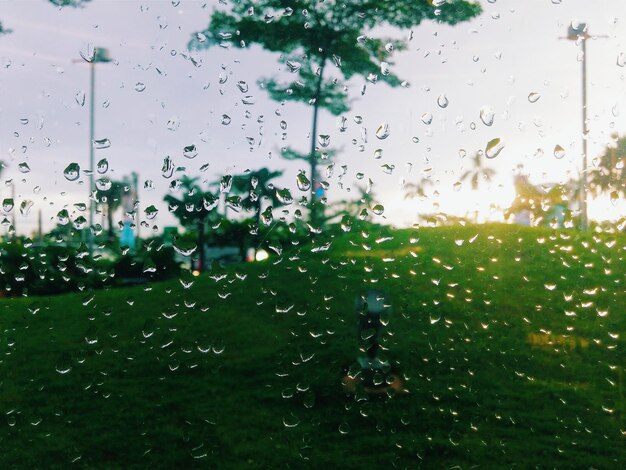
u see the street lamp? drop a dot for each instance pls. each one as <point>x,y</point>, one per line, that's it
<point>101,55</point>
<point>579,33</point>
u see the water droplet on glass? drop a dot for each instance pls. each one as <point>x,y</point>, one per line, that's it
<point>303,182</point>
<point>293,66</point>
<point>63,217</point>
<point>457,186</point>
<point>103,184</point>
<point>139,86</point>
<point>88,52</point>
<point>226,119</point>
<point>427,118</point>
<point>167,170</point>
<point>243,86</point>
<point>614,197</point>
<point>64,363</point>
<point>80,206</point>
<point>384,68</point>
<point>226,183</point>
<point>102,166</point>
<point>378,154</point>
<point>151,212</point>
<point>101,143</point>
<point>248,100</point>
<point>80,98</point>
<point>487,115</point>
<point>324,140</point>
<point>621,59</point>
<point>26,206</point>
<point>72,172</point>
<point>559,152</point>
<point>442,101</point>
<point>190,151</point>
<point>378,209</point>
<point>533,97</point>
<point>7,204</point>
<point>266,216</point>
<point>383,131</point>
<point>494,147</point>
<point>23,167</point>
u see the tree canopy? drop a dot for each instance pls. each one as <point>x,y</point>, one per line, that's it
<point>312,34</point>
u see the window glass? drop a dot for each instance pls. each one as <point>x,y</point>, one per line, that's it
<point>312,232</point>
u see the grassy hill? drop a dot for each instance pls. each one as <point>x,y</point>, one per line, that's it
<point>510,341</point>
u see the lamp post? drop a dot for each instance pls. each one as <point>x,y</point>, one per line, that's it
<point>101,55</point>
<point>579,33</point>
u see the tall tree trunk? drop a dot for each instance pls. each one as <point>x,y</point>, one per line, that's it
<point>313,217</point>
<point>110,222</point>
<point>201,254</point>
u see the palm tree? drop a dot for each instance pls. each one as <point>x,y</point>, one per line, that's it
<point>194,209</point>
<point>255,187</point>
<point>111,199</point>
<point>478,173</point>
<point>418,189</point>
<point>609,174</point>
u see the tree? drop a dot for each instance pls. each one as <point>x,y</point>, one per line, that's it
<point>255,187</point>
<point>111,199</point>
<point>609,172</point>
<point>478,173</point>
<point>418,189</point>
<point>194,210</point>
<point>311,35</point>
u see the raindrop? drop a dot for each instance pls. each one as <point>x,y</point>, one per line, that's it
<point>7,204</point>
<point>324,140</point>
<point>80,206</point>
<point>101,143</point>
<point>487,115</point>
<point>102,166</point>
<point>378,209</point>
<point>226,183</point>
<point>72,172</point>
<point>167,170</point>
<point>621,59</point>
<point>266,216</point>
<point>494,147</point>
<point>378,154</point>
<point>293,66</point>
<point>533,97</point>
<point>23,167</point>
<point>384,68</point>
<point>64,363</point>
<point>63,217</point>
<point>103,184</point>
<point>614,196</point>
<point>80,98</point>
<point>226,119</point>
<point>383,131</point>
<point>442,101</point>
<point>389,47</point>
<point>140,87</point>
<point>559,152</point>
<point>151,212</point>
<point>190,151</point>
<point>88,53</point>
<point>26,206</point>
<point>303,182</point>
<point>342,123</point>
<point>358,119</point>
<point>457,186</point>
<point>243,86</point>
<point>248,100</point>
<point>427,118</point>
<point>80,222</point>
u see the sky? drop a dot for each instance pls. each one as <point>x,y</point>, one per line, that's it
<point>158,97</point>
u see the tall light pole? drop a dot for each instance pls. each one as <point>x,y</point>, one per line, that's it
<point>101,55</point>
<point>580,34</point>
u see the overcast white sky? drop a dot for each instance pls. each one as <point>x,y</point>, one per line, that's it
<point>512,50</point>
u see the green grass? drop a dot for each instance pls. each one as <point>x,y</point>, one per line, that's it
<point>510,339</point>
